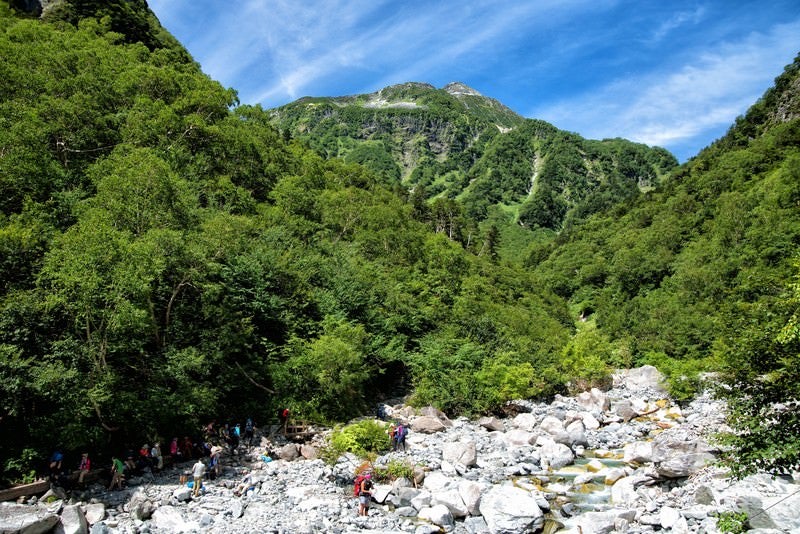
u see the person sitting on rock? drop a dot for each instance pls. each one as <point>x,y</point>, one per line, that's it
<point>155,454</point>
<point>83,467</point>
<point>245,485</point>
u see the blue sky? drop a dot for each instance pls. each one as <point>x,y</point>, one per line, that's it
<point>671,73</point>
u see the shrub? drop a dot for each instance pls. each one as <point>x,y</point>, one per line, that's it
<point>362,438</point>
<point>733,522</point>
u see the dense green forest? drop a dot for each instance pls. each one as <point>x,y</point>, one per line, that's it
<point>169,256</point>
<point>476,158</point>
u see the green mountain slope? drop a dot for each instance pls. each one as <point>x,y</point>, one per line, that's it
<point>454,143</point>
<point>166,258</point>
<point>697,275</point>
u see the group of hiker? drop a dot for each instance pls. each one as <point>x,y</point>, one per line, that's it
<point>151,458</point>
<point>210,447</point>
<point>397,435</point>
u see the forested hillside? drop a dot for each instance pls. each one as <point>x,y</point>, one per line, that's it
<point>167,258</point>
<point>475,158</point>
<point>698,274</point>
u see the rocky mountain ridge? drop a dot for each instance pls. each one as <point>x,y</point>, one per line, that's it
<point>626,460</point>
<point>454,143</point>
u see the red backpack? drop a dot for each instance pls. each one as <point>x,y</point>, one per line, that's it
<point>357,485</point>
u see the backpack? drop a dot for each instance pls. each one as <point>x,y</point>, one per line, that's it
<point>401,432</point>
<point>357,485</point>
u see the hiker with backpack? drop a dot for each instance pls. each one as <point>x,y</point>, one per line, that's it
<point>363,487</point>
<point>400,436</point>
<point>249,426</point>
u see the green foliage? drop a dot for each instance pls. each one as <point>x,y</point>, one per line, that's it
<point>167,256</point>
<point>361,438</point>
<point>733,522</point>
<point>395,469</point>
<point>585,360</point>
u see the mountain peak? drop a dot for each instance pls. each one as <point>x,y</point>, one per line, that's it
<point>459,88</point>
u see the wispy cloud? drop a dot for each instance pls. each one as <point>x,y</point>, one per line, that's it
<point>407,40</point>
<point>678,20</point>
<point>667,107</point>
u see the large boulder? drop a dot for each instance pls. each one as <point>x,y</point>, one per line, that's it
<point>646,376</point>
<point>470,493</point>
<point>170,519</point>
<point>380,492</point>
<point>510,509</point>
<point>25,519</point>
<point>519,437</point>
<point>638,452</point>
<point>766,501</point>
<point>594,401</point>
<point>438,514</point>
<point>552,425</point>
<point>309,452</point>
<point>427,425</point>
<point>525,421</point>
<point>452,500</point>
<point>554,455</point>
<point>624,409</point>
<point>460,452</point>
<point>72,521</point>
<point>438,481</point>
<point>492,424</point>
<point>678,453</point>
<point>140,507</point>
<point>95,513</point>
<point>577,434</point>
<point>606,521</point>
<point>289,452</point>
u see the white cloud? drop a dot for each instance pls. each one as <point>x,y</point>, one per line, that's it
<point>665,108</point>
<point>409,40</point>
<point>679,19</point>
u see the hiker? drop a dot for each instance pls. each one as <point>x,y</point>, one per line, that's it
<point>365,494</point>
<point>245,485</point>
<point>117,473</point>
<point>400,436</point>
<point>380,411</point>
<point>283,418</point>
<point>130,464</point>
<point>83,467</point>
<point>198,470</point>
<point>393,436</point>
<point>173,450</point>
<point>56,459</point>
<point>248,431</point>
<point>208,430</point>
<point>214,467</point>
<point>143,462</point>
<point>155,454</point>
<point>186,448</point>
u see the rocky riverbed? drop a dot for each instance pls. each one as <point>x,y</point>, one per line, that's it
<point>625,460</point>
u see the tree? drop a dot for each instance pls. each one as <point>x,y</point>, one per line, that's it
<point>764,402</point>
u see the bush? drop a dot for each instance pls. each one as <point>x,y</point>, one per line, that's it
<point>362,438</point>
<point>733,522</point>
<point>395,469</point>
